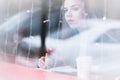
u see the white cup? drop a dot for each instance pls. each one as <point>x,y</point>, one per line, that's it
<point>84,67</point>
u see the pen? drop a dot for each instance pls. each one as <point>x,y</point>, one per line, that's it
<point>46,55</point>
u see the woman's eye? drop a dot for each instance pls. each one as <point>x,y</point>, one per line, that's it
<point>65,10</point>
<point>75,8</point>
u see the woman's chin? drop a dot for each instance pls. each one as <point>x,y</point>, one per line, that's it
<point>73,26</point>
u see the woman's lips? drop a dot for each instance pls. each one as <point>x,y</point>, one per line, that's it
<point>70,21</point>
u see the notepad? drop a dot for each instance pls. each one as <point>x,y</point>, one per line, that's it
<point>64,70</point>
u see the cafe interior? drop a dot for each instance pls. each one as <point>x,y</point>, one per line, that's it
<point>34,29</point>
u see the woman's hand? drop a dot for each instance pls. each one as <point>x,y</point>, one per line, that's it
<point>45,63</point>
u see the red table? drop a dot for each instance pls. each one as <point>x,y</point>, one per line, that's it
<point>10,70</point>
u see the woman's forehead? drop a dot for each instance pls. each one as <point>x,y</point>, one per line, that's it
<point>69,3</point>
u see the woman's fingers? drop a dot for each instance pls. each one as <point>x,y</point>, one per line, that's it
<point>41,63</point>
<point>45,63</point>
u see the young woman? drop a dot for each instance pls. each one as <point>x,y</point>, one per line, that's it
<point>74,13</point>
<point>67,51</point>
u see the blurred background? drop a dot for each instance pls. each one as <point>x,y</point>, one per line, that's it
<point>11,7</point>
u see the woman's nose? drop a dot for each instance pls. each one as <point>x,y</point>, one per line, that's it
<point>69,14</point>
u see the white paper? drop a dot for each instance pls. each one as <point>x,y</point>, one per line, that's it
<point>64,69</point>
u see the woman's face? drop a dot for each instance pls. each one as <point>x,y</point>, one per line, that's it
<point>74,12</point>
